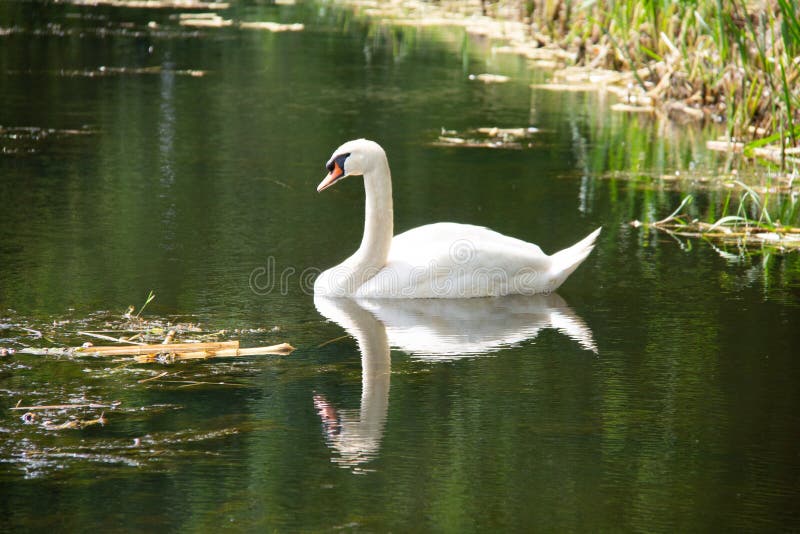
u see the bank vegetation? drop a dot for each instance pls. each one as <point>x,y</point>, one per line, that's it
<point>735,62</point>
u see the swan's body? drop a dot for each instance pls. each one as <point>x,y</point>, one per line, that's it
<point>441,260</point>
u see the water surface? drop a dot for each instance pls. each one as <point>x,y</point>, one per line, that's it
<point>656,392</point>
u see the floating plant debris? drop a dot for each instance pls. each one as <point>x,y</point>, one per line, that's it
<point>489,78</point>
<point>64,406</point>
<point>111,410</point>
<point>103,71</point>
<point>163,352</point>
<point>783,239</point>
<point>488,137</point>
<point>28,139</point>
<point>212,20</point>
<point>733,227</point>
<point>272,26</point>
<point>756,149</point>
<point>204,20</point>
<point>152,4</point>
<point>138,341</point>
<point>35,132</point>
<point>110,29</point>
<point>41,451</point>
<point>75,423</point>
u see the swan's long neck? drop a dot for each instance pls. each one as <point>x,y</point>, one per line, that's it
<point>378,223</point>
<point>346,278</point>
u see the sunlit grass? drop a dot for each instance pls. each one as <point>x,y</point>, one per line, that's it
<point>738,60</point>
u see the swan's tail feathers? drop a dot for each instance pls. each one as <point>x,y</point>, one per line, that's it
<point>564,262</point>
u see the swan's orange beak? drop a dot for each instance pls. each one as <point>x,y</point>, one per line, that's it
<point>329,180</point>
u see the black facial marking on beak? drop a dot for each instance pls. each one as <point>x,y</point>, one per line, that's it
<point>335,172</point>
<point>338,160</point>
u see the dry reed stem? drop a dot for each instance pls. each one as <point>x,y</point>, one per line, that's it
<point>109,338</point>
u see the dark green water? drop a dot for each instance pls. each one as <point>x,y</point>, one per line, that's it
<point>685,419</point>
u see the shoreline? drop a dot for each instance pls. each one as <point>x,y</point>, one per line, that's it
<point>659,86</point>
<point>749,222</point>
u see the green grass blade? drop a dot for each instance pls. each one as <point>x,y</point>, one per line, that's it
<point>726,220</point>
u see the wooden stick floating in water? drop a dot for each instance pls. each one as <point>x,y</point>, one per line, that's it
<point>175,351</point>
<point>282,349</point>
<point>158,348</point>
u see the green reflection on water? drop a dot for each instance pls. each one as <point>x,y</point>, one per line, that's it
<point>684,420</point>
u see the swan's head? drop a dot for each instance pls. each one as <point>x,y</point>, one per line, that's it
<point>352,159</point>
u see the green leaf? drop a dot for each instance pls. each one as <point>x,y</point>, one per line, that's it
<point>651,53</point>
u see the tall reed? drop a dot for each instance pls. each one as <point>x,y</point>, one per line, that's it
<point>738,60</point>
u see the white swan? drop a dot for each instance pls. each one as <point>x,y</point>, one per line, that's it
<point>441,260</point>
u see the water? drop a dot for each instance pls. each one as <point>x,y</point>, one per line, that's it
<point>462,417</point>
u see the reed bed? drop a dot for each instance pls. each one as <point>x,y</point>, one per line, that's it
<point>735,61</point>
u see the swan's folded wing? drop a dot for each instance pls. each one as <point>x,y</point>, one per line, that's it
<point>458,260</point>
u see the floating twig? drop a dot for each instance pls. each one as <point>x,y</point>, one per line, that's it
<point>65,406</point>
<point>156,377</point>
<point>192,383</point>
<point>109,338</point>
<point>35,333</point>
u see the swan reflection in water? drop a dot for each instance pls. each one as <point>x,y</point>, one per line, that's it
<point>430,330</point>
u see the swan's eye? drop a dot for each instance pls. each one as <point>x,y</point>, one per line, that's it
<point>338,160</point>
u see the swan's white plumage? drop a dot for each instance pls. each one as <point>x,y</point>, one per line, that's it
<point>454,260</point>
<point>441,260</point>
